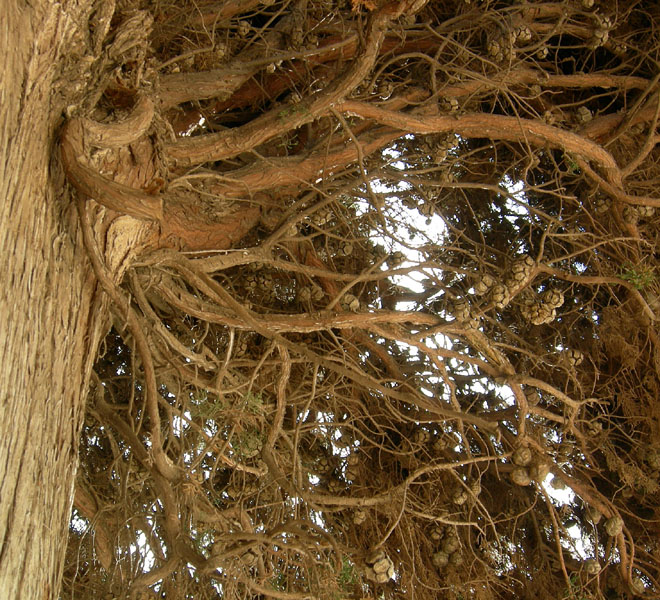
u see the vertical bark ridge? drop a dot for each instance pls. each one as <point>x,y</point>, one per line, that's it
<point>45,334</point>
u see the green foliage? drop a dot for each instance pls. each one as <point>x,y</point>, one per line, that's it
<point>248,443</point>
<point>292,110</point>
<point>575,591</point>
<point>641,276</point>
<point>348,575</point>
<point>278,582</point>
<point>573,167</point>
<point>205,407</point>
<point>253,403</point>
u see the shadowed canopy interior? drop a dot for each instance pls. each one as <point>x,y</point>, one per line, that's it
<point>382,299</point>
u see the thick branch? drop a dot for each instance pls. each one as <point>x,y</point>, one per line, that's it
<point>491,126</point>
<point>122,133</point>
<point>87,181</point>
<point>183,87</point>
<point>223,145</point>
<point>284,172</point>
<point>190,226</point>
<point>88,508</point>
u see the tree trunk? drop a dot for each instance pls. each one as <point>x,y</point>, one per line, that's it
<point>49,327</point>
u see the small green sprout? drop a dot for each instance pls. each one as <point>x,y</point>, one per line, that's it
<point>640,276</point>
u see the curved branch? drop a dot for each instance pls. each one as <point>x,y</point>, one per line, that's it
<point>497,127</point>
<point>527,76</point>
<point>87,181</point>
<point>86,504</point>
<point>164,465</point>
<point>176,88</point>
<point>184,224</point>
<point>122,133</point>
<point>223,145</point>
<point>284,172</point>
<point>189,226</point>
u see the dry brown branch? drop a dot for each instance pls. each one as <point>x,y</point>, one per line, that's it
<point>90,184</point>
<point>212,147</point>
<point>495,127</point>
